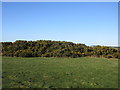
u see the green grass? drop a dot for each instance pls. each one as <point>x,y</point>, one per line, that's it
<point>59,72</point>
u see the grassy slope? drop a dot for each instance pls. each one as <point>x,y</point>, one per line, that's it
<point>59,72</point>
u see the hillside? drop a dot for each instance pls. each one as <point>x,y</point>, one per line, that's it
<point>48,48</point>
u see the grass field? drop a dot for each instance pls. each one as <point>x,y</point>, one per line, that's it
<point>59,72</point>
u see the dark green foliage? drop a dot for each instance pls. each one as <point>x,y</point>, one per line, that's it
<point>23,53</point>
<point>109,56</point>
<point>116,55</point>
<point>48,48</point>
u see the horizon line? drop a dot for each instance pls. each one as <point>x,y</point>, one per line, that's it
<point>61,41</point>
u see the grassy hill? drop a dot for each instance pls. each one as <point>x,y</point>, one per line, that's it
<point>39,72</point>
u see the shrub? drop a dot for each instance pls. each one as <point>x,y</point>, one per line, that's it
<point>25,53</point>
<point>116,55</point>
<point>109,56</point>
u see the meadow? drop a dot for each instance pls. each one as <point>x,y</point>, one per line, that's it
<point>40,72</point>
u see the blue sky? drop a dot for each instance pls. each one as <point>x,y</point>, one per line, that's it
<point>79,22</point>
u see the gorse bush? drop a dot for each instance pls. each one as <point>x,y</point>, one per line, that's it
<point>23,53</point>
<point>48,48</point>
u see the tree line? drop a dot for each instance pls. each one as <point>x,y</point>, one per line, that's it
<point>48,48</point>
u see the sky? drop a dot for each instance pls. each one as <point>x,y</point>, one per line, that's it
<point>90,23</point>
